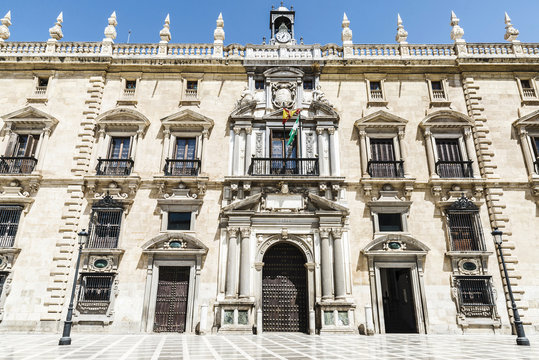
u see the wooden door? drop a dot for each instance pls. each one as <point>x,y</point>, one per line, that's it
<point>284,290</point>
<point>171,301</point>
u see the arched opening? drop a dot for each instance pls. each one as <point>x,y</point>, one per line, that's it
<point>284,289</point>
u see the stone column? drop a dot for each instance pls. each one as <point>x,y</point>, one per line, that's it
<point>404,153</point>
<point>204,151</point>
<point>258,296</point>
<point>338,264</point>
<point>332,152</point>
<point>134,148</point>
<point>325,259</point>
<point>242,155</point>
<point>231,276</point>
<point>42,151</point>
<point>310,281</point>
<point>236,153</point>
<point>363,151</point>
<point>166,145</point>
<point>430,154</point>
<point>248,132</point>
<point>528,150</point>
<point>245,268</point>
<point>99,148</point>
<point>470,149</point>
<point>321,159</point>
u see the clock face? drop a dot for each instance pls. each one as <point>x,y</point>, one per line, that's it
<point>283,36</point>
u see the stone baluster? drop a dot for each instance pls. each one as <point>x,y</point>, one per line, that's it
<point>231,274</point>
<point>338,264</point>
<point>430,153</point>
<point>245,263</point>
<point>325,259</point>
<point>470,149</point>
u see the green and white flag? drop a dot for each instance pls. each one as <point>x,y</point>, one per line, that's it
<point>293,132</point>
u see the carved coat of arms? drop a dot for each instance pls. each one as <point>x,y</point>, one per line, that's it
<point>283,94</point>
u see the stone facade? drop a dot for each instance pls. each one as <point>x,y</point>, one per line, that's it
<point>175,157</point>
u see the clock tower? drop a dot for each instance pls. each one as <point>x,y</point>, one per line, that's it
<point>282,26</point>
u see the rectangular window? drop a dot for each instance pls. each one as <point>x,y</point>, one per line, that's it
<point>192,85</point>
<point>179,221</point>
<point>259,84</point>
<point>105,228</point>
<point>131,84</point>
<point>185,149</point>
<point>43,82</point>
<point>437,90</point>
<point>279,149</point>
<point>535,143</point>
<point>119,148</point>
<point>25,146</point>
<point>475,295</point>
<point>308,84</point>
<point>95,287</point>
<point>451,163</point>
<point>9,223</point>
<point>465,231</point>
<point>390,222</point>
<point>383,162</point>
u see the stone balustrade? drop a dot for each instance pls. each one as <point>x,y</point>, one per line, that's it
<point>292,52</point>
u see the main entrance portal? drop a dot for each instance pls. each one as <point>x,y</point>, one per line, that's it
<point>398,300</point>
<point>284,289</point>
<point>171,301</point>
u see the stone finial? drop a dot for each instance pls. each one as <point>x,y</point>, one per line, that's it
<point>511,33</point>
<point>164,34</point>
<point>456,32</point>
<point>4,31</point>
<point>402,34</point>
<point>110,30</point>
<point>346,35</point>
<point>56,31</point>
<point>219,33</point>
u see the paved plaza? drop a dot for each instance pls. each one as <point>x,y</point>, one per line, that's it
<point>267,346</point>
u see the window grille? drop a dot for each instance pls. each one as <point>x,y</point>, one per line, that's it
<point>105,223</point>
<point>475,295</point>
<point>9,223</point>
<point>451,163</point>
<point>96,287</point>
<point>3,277</point>
<point>465,226</point>
<point>383,162</point>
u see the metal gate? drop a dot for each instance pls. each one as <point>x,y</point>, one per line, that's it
<point>284,289</point>
<point>171,302</point>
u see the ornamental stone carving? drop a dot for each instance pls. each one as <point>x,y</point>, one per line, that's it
<point>4,31</point>
<point>110,30</point>
<point>402,34</point>
<point>283,95</point>
<point>164,34</point>
<point>511,33</point>
<point>456,32</point>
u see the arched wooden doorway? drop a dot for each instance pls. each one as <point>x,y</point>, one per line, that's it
<point>284,289</point>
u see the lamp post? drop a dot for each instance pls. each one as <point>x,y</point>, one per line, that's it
<point>521,336</point>
<point>66,338</point>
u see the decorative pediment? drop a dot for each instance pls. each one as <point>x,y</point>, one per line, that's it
<point>187,120</point>
<point>395,244</point>
<point>244,109</point>
<point>246,204</point>
<point>29,117</point>
<point>284,73</point>
<point>175,243</point>
<point>320,110</point>
<point>446,119</point>
<point>325,204</point>
<point>122,118</point>
<point>381,119</point>
<point>530,120</point>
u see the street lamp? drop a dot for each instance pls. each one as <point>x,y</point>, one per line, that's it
<point>521,336</point>
<point>66,338</point>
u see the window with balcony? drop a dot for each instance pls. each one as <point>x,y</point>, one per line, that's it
<point>527,88</point>
<point>475,295</point>
<point>451,159</point>
<point>20,154</point>
<point>450,146</point>
<point>383,161</point>
<point>130,88</point>
<point>184,161</point>
<point>375,90</point>
<point>465,231</point>
<point>41,88</point>
<point>118,161</point>
<point>9,223</point>
<point>105,224</point>
<point>438,92</point>
<point>191,90</point>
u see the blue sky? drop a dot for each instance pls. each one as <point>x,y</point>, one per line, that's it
<point>247,21</point>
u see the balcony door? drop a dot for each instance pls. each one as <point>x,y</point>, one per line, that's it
<point>280,150</point>
<point>383,159</point>
<point>184,157</point>
<point>120,147</point>
<point>451,162</point>
<point>25,146</point>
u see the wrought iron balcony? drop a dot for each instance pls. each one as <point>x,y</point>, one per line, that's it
<point>177,167</point>
<point>475,296</point>
<point>385,169</point>
<point>454,169</point>
<point>114,167</point>
<point>104,236</point>
<point>284,166</point>
<point>17,164</point>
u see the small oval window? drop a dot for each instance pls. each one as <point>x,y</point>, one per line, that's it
<point>470,266</point>
<point>101,263</point>
<point>394,245</point>
<point>175,244</point>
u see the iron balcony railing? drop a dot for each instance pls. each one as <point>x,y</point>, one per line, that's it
<point>177,167</point>
<point>284,166</point>
<point>475,296</point>
<point>17,164</point>
<point>385,169</point>
<point>9,223</point>
<point>454,169</point>
<point>96,288</point>
<point>465,231</point>
<point>105,229</point>
<point>114,167</point>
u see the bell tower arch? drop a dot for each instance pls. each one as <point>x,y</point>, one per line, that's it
<point>282,25</point>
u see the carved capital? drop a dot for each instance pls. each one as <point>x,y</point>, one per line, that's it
<point>331,131</point>
<point>324,233</point>
<point>336,232</point>
<point>237,130</point>
<point>248,130</point>
<point>320,130</point>
<point>245,232</point>
<point>467,132</point>
<point>232,232</point>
